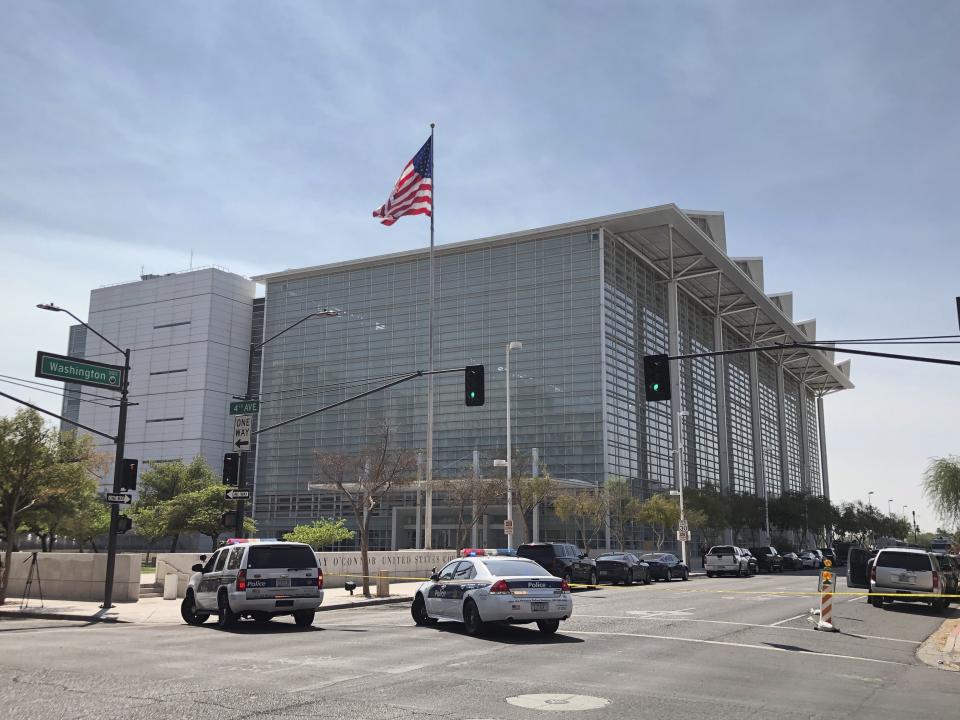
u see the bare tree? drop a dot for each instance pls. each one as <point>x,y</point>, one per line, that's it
<point>364,479</point>
<point>470,497</point>
<point>585,508</point>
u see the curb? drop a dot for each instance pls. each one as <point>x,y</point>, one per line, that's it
<point>366,603</point>
<point>36,615</point>
<point>947,658</point>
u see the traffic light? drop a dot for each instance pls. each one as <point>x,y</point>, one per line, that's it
<point>228,519</point>
<point>129,477</point>
<point>124,523</point>
<point>656,377</point>
<point>231,468</point>
<point>473,385</point>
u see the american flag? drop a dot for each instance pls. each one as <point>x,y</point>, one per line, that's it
<point>413,193</point>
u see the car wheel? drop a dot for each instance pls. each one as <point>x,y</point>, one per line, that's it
<point>941,605</point>
<point>666,576</point>
<point>189,612</point>
<point>471,618</point>
<point>686,575</point>
<point>740,571</point>
<point>225,616</point>
<point>709,574</point>
<point>875,601</point>
<point>593,578</point>
<point>304,618</point>
<point>630,577</point>
<point>647,580</point>
<point>419,611</point>
<point>548,627</point>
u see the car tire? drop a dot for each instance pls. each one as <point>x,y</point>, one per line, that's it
<point>226,618</point>
<point>548,627</point>
<point>419,611</point>
<point>686,575</point>
<point>666,577</point>
<point>709,574</point>
<point>630,577</point>
<point>739,571</point>
<point>593,578</point>
<point>304,618</point>
<point>875,601</point>
<point>647,580</point>
<point>471,618</point>
<point>189,612</point>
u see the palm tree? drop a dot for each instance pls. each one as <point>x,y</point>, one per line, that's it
<point>941,486</point>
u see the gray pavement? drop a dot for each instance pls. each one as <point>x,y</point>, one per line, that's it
<point>720,648</point>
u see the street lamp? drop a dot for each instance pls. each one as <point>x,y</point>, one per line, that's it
<point>889,511</point>
<point>869,503</point>
<point>767,450</point>
<point>679,491</point>
<point>118,458</point>
<point>512,345</point>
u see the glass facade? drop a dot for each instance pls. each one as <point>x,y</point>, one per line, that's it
<point>587,308</point>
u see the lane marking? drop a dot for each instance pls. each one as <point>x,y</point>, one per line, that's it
<point>740,624</point>
<point>795,617</point>
<point>738,645</point>
<point>858,597</point>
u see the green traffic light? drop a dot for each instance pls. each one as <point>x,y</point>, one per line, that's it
<point>472,394</point>
<point>656,387</point>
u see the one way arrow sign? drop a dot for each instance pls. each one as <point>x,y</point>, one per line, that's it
<point>238,494</point>
<point>119,498</point>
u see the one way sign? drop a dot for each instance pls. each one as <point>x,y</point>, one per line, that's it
<point>242,427</point>
<point>119,498</point>
<point>238,494</point>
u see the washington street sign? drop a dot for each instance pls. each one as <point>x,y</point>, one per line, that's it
<point>76,370</point>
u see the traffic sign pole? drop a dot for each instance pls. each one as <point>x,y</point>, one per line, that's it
<point>117,483</point>
<point>241,503</point>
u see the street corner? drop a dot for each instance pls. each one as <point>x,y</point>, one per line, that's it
<point>942,649</point>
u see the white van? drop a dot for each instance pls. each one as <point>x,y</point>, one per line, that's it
<point>259,580</point>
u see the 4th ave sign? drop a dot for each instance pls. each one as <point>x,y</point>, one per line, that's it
<point>244,407</point>
<point>82,372</point>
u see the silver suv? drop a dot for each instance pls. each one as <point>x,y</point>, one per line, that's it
<point>901,574</point>
<point>260,580</point>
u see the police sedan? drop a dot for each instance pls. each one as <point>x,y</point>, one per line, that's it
<point>480,590</point>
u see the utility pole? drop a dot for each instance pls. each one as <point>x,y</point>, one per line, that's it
<point>117,484</point>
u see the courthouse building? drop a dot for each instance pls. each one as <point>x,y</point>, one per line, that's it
<point>587,299</point>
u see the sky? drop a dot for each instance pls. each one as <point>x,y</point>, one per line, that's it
<point>258,136</point>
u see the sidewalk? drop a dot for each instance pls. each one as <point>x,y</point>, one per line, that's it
<point>160,611</point>
<point>942,649</point>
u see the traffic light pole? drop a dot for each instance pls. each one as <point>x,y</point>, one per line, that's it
<point>241,485</point>
<point>117,484</point>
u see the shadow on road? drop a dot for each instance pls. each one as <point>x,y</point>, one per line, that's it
<point>510,634</point>
<point>248,627</point>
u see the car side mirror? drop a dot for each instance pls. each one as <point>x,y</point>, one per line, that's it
<point>583,555</point>
<point>197,568</point>
<point>434,577</point>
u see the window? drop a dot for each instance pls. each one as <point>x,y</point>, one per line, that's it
<point>208,568</point>
<point>904,561</point>
<point>236,555</point>
<point>506,567</point>
<point>448,570</point>
<point>221,559</point>
<point>173,324</point>
<point>281,556</point>
<point>169,372</point>
<point>466,571</point>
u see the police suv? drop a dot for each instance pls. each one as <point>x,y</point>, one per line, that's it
<point>260,580</point>
<point>480,590</point>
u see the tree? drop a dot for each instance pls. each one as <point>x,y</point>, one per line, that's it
<point>528,493</point>
<point>746,511</point>
<point>90,520</point>
<point>364,479</point>
<point>661,514</point>
<point>715,507</point>
<point>320,533</point>
<point>585,508</point>
<point>623,508</point>
<point>33,459</point>
<point>201,511</point>
<point>470,497</point>
<point>162,484</point>
<point>941,486</point>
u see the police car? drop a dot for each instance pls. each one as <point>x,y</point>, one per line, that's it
<point>260,580</point>
<point>479,590</point>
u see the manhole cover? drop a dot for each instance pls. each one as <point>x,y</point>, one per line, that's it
<point>558,703</point>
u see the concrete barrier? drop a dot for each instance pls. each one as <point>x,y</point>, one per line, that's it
<point>338,567</point>
<point>75,576</point>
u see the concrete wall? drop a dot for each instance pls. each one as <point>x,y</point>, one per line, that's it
<point>337,567</point>
<point>75,576</point>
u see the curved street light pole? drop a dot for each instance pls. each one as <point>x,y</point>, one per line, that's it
<point>513,345</point>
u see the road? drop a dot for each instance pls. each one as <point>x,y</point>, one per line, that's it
<point>720,648</point>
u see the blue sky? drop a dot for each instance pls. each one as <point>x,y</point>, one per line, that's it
<point>260,135</point>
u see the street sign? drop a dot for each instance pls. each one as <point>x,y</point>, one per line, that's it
<point>76,370</point>
<point>242,427</point>
<point>683,527</point>
<point>119,498</point>
<point>244,407</point>
<point>238,494</point>
<point>508,527</point>
<point>683,536</point>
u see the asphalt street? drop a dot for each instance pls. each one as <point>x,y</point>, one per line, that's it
<point>708,648</point>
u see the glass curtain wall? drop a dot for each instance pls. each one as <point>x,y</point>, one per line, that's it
<point>699,436</point>
<point>791,408</point>
<point>813,443</point>
<point>740,413</point>
<point>770,425</point>
<point>542,292</point>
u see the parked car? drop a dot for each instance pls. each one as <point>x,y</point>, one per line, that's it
<point>792,561</point>
<point>258,580</point>
<point>726,560</point>
<point>753,567</point>
<point>906,575</point>
<point>562,560</point>
<point>829,554</point>
<point>809,559</point>
<point>624,568</point>
<point>768,559</point>
<point>665,566</point>
<point>950,570</point>
<point>482,589</point>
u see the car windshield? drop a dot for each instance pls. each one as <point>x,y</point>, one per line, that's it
<point>652,556</point>
<point>281,556</point>
<point>611,557</point>
<point>721,550</point>
<point>504,567</point>
<point>538,553</point>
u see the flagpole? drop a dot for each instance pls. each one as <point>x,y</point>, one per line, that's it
<point>428,514</point>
